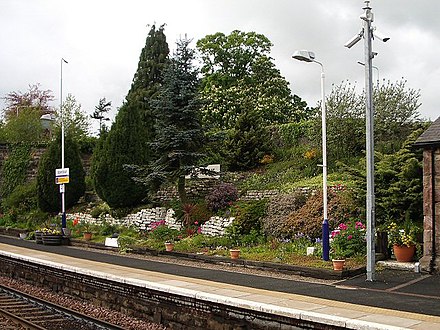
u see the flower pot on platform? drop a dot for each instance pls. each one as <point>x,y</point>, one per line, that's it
<point>404,253</point>
<point>234,253</point>
<point>87,236</point>
<point>338,264</point>
<point>169,247</point>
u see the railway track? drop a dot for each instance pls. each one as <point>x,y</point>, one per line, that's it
<point>19,310</point>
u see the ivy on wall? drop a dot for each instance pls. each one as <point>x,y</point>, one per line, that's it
<point>15,168</point>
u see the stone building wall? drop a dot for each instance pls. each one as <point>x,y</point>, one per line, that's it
<point>427,208</point>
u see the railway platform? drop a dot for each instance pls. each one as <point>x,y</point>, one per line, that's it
<point>396,300</point>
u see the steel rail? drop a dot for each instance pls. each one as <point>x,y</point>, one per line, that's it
<point>58,309</point>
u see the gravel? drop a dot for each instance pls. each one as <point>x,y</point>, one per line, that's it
<point>104,314</point>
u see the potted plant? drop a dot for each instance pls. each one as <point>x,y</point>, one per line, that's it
<point>169,245</point>
<point>234,253</point>
<point>403,240</point>
<point>51,236</point>
<point>347,240</point>
<point>86,228</point>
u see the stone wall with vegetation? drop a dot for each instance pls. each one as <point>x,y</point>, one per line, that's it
<point>147,219</point>
<point>36,154</point>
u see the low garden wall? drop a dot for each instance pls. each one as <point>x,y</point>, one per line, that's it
<point>147,219</point>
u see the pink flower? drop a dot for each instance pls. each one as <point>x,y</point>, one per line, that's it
<point>342,226</point>
<point>196,223</point>
<point>335,233</point>
<point>199,230</point>
<point>349,237</point>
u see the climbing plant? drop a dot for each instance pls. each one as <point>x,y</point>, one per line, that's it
<point>14,168</point>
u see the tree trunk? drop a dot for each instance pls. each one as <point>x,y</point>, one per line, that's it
<point>181,190</point>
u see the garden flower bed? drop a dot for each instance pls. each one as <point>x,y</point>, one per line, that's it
<point>321,270</point>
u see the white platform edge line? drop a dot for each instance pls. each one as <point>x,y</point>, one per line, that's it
<point>230,301</point>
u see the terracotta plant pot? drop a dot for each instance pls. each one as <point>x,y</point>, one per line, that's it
<point>338,264</point>
<point>169,247</point>
<point>235,254</point>
<point>87,236</point>
<point>404,253</point>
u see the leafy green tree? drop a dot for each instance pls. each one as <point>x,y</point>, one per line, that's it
<point>237,67</point>
<point>128,141</point>
<point>100,112</point>
<point>396,114</point>
<point>48,194</point>
<point>345,123</point>
<point>76,123</point>
<point>25,127</point>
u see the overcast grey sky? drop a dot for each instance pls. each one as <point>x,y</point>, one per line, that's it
<point>102,41</point>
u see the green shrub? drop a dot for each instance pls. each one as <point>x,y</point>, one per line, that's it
<point>22,198</point>
<point>163,233</point>
<point>294,133</point>
<point>99,210</point>
<point>249,215</point>
<point>48,192</point>
<point>124,242</point>
<point>107,229</point>
<point>201,242</point>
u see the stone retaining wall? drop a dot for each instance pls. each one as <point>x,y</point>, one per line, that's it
<point>147,219</point>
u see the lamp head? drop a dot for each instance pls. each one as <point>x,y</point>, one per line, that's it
<point>304,55</point>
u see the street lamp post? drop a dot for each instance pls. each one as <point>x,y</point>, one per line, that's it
<point>307,56</point>
<point>367,33</point>
<point>62,186</point>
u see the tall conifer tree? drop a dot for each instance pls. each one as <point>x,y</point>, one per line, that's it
<point>128,141</point>
<point>179,132</point>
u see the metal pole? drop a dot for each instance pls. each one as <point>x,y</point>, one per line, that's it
<point>325,226</point>
<point>371,252</point>
<point>62,186</point>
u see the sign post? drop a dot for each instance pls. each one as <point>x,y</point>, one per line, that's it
<point>61,178</point>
